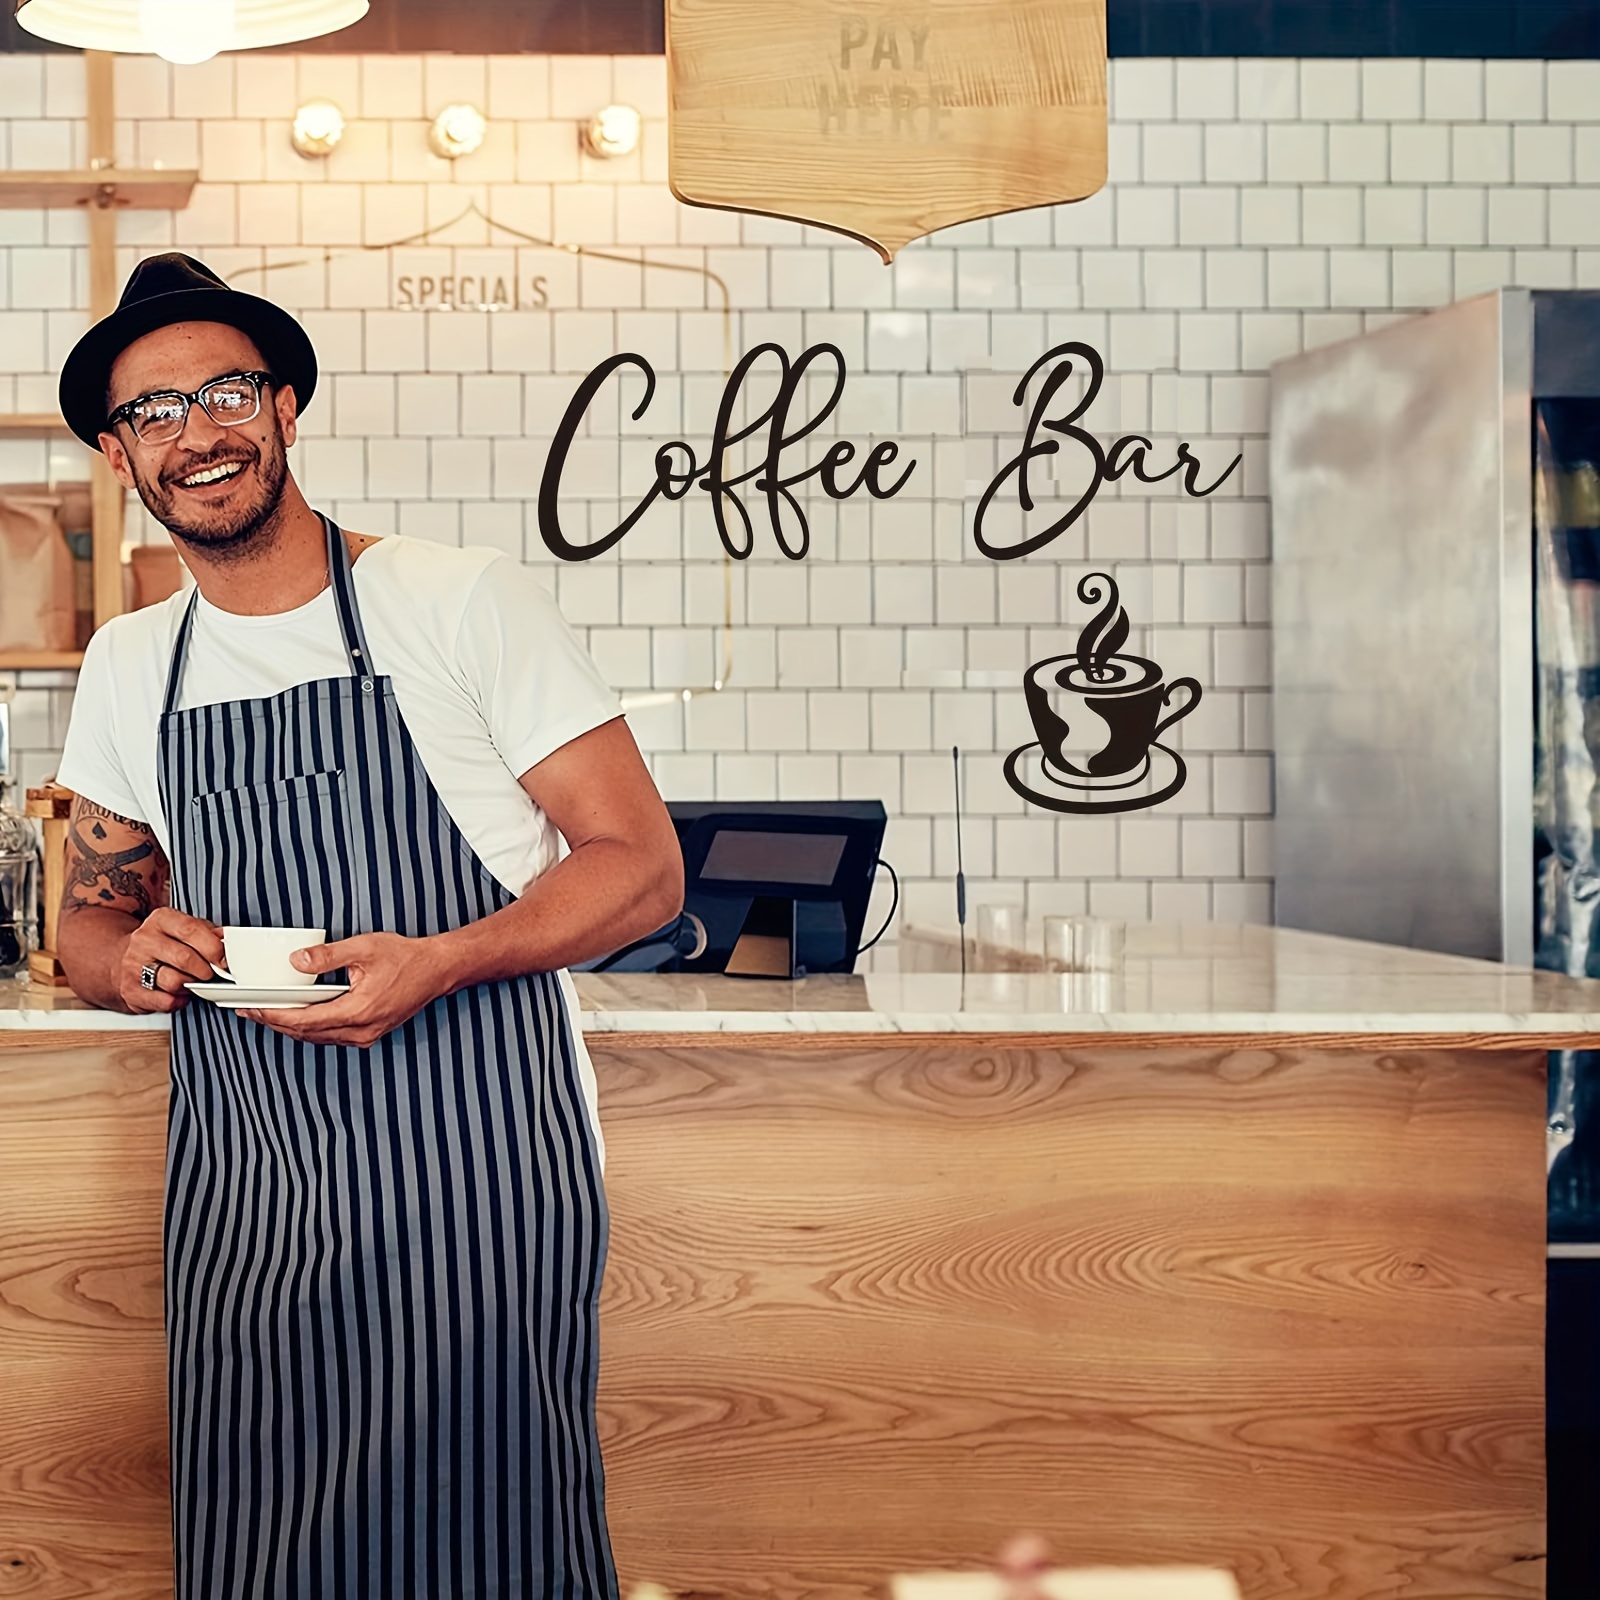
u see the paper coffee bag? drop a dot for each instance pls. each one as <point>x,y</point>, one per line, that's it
<point>37,608</point>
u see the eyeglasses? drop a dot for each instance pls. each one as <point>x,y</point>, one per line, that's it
<point>159,418</point>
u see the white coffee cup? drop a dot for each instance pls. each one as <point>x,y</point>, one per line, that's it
<point>259,957</point>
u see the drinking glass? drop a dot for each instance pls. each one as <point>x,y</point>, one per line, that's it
<point>1001,925</point>
<point>1088,993</point>
<point>1083,944</point>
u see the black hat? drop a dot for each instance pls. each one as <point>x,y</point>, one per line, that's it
<point>177,288</point>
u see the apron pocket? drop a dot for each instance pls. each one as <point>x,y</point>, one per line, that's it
<point>278,854</point>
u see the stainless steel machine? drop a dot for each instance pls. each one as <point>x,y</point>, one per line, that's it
<point>1436,545</point>
<point>1436,540</point>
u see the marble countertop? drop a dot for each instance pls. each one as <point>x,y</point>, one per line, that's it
<point>1191,980</point>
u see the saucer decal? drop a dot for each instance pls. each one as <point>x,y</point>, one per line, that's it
<point>1098,714</point>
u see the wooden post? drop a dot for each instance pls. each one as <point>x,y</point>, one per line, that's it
<point>52,807</point>
<point>108,494</point>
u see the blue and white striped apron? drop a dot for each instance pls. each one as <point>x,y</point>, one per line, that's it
<point>383,1265</point>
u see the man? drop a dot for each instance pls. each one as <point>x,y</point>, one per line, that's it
<point>384,1224</point>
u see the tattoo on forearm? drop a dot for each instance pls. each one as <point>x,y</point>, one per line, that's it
<point>88,809</point>
<point>132,880</point>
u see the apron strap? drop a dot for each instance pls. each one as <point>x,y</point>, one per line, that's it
<point>180,654</point>
<point>342,578</point>
<point>341,581</point>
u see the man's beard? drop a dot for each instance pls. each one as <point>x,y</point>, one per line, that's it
<point>241,527</point>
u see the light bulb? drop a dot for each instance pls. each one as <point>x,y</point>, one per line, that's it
<point>457,131</point>
<point>318,127</point>
<point>614,131</point>
<point>187,32</point>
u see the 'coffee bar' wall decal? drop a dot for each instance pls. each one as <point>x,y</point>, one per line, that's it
<point>769,433</point>
<point>886,121</point>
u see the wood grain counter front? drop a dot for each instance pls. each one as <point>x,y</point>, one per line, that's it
<point>875,1302</point>
<point>1274,1309</point>
<point>83,1393</point>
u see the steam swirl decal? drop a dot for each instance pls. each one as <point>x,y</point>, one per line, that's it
<point>1097,713</point>
<point>1106,633</point>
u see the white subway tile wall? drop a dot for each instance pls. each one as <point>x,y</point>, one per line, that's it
<point>1255,209</point>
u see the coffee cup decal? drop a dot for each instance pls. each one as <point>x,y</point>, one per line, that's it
<point>1099,715</point>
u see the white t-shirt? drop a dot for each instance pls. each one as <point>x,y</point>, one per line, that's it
<point>487,675</point>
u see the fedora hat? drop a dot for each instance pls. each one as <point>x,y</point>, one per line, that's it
<point>176,288</point>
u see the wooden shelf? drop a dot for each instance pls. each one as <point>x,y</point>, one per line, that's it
<point>116,188</point>
<point>40,660</point>
<point>29,423</point>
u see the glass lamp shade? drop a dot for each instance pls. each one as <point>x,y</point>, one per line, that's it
<point>184,30</point>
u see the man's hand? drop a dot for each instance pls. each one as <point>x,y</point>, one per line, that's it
<point>180,947</point>
<point>391,979</point>
<point>623,878</point>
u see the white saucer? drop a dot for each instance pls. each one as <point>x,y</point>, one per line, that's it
<point>288,997</point>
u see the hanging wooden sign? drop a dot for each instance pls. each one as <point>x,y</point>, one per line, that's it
<point>883,119</point>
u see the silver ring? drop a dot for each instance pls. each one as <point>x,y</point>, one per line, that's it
<point>147,974</point>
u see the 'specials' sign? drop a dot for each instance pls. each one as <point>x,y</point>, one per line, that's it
<point>480,280</point>
<point>885,120</point>
<point>469,291</point>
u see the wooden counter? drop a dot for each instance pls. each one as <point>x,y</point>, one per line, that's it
<point>1261,1298</point>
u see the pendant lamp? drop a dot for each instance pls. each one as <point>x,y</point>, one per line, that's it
<point>184,31</point>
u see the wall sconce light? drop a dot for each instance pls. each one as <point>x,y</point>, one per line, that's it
<point>184,31</point>
<point>318,127</point>
<point>613,131</point>
<point>457,131</point>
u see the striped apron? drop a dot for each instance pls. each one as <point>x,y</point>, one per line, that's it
<point>383,1265</point>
